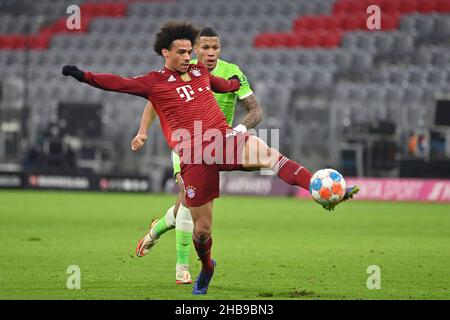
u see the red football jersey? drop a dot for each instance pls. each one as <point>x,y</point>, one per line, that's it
<point>180,104</point>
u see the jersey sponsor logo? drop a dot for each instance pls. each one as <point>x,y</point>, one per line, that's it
<point>186,92</point>
<point>196,72</point>
<point>190,191</point>
<point>171,78</point>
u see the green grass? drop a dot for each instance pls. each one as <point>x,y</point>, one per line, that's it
<point>266,248</point>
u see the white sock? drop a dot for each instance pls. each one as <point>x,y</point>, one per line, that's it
<point>170,216</point>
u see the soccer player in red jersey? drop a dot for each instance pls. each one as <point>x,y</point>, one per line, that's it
<point>207,48</point>
<point>196,129</point>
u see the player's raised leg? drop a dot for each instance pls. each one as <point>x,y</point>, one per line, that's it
<point>259,155</point>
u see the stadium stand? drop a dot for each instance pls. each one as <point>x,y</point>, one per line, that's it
<point>316,70</point>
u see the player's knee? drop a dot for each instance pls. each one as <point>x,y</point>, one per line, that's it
<point>202,232</point>
<point>269,158</point>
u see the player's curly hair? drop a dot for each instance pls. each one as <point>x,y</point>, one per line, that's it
<point>171,31</point>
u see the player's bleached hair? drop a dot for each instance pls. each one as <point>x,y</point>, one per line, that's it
<point>172,31</point>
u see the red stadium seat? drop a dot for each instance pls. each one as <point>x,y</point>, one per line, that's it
<point>330,23</point>
<point>307,23</point>
<point>269,40</point>
<point>118,10</point>
<point>288,40</point>
<point>330,39</point>
<point>408,6</point>
<point>443,6</point>
<point>341,7</point>
<point>89,9</point>
<point>389,21</point>
<point>40,41</point>
<point>349,7</point>
<point>327,30</point>
<point>390,6</point>
<point>260,41</point>
<point>358,7</point>
<point>300,24</point>
<point>353,22</point>
<point>20,41</point>
<point>309,39</point>
<point>104,9</point>
<point>427,6</point>
<point>8,41</point>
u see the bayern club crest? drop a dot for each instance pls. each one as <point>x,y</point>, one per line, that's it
<point>196,72</point>
<point>190,192</point>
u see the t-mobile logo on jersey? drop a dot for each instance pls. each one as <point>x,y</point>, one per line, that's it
<point>185,92</point>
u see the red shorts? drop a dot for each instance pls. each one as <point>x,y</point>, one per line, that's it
<point>201,180</point>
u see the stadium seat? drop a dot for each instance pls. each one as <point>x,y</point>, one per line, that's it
<point>408,6</point>
<point>403,45</point>
<point>417,76</point>
<point>352,21</point>
<point>380,77</point>
<point>413,94</point>
<point>330,39</point>
<point>322,80</point>
<point>437,78</point>
<point>424,24</point>
<point>394,95</point>
<point>407,24</point>
<point>443,6</point>
<point>423,57</point>
<point>390,6</point>
<point>390,21</point>
<point>441,26</point>
<point>441,58</point>
<point>398,77</point>
<point>343,61</point>
<point>427,6</point>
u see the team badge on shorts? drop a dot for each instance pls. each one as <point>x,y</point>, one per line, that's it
<point>190,191</point>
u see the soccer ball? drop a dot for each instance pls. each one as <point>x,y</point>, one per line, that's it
<point>327,186</point>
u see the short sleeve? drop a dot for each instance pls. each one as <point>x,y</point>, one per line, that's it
<point>245,90</point>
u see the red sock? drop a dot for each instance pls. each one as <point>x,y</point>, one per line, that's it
<point>293,173</point>
<point>203,249</point>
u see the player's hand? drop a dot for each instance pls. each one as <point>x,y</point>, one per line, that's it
<point>240,128</point>
<point>138,142</point>
<point>235,77</point>
<point>73,71</point>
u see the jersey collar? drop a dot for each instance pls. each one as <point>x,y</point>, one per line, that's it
<point>168,71</point>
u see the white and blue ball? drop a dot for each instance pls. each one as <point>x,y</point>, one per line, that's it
<point>327,186</point>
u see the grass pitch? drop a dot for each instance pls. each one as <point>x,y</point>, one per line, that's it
<point>266,248</point>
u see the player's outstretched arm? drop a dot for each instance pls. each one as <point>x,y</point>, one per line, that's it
<point>148,116</point>
<point>109,82</point>
<point>221,85</point>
